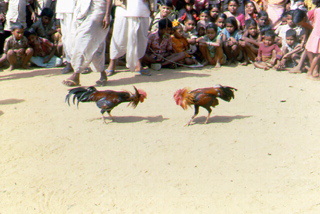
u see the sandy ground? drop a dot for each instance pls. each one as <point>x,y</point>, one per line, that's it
<point>258,154</point>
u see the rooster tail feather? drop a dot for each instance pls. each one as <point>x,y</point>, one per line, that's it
<point>80,94</point>
<point>226,93</point>
<point>183,97</point>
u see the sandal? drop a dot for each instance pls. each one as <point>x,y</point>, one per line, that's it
<point>102,82</point>
<point>70,83</point>
<point>110,72</point>
<point>145,72</point>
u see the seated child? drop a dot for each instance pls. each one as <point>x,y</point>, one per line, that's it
<point>159,52</point>
<point>180,44</point>
<point>250,41</point>
<point>211,47</point>
<point>263,21</point>
<point>188,12</point>
<point>45,27</point>
<point>214,12</point>
<point>191,34</point>
<point>16,49</point>
<point>230,38</point>
<point>44,50</point>
<point>291,51</point>
<point>268,52</point>
<point>221,22</point>
<point>166,11</point>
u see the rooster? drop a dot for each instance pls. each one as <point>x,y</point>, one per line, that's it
<point>204,97</point>
<point>106,100</point>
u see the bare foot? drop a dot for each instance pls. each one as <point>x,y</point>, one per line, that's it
<point>218,65</point>
<point>11,67</point>
<point>74,80</point>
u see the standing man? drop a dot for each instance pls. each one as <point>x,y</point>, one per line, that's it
<point>130,33</point>
<point>91,19</point>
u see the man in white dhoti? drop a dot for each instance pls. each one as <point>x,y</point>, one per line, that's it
<point>130,33</point>
<point>91,19</point>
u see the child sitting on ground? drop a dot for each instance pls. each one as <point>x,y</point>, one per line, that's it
<point>268,52</point>
<point>44,51</point>
<point>45,26</point>
<point>180,44</point>
<point>230,38</point>
<point>221,22</point>
<point>291,51</point>
<point>16,49</point>
<point>191,34</point>
<point>211,47</point>
<point>250,41</point>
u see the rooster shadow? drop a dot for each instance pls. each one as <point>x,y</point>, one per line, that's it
<point>133,119</point>
<point>8,102</point>
<point>220,119</point>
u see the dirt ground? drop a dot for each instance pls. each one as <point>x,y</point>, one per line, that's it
<point>258,154</point>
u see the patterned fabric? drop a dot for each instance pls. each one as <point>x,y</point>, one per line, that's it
<point>12,43</point>
<point>42,48</point>
<point>160,46</point>
<point>43,31</point>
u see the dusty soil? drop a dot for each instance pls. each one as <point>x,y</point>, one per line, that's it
<point>258,154</point>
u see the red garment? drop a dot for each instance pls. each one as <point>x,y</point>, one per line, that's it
<point>266,51</point>
<point>42,47</point>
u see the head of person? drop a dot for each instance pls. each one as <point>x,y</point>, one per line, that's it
<point>189,5</point>
<point>299,16</point>
<point>291,37</point>
<point>201,27</point>
<point>268,37</point>
<point>177,29</point>
<point>252,27</point>
<point>211,31</point>
<point>32,36</point>
<point>263,18</point>
<point>189,24</point>
<point>233,6</point>
<point>165,27</point>
<point>166,8</point>
<point>46,15</point>
<point>221,20</point>
<point>231,24</point>
<point>289,18</point>
<point>17,30</point>
<point>204,15</point>
<point>214,12</point>
<point>250,8</point>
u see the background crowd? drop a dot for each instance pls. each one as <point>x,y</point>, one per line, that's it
<point>142,34</point>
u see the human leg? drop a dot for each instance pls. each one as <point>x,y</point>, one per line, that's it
<point>27,57</point>
<point>12,59</point>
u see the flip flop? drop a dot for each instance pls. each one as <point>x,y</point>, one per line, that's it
<point>110,72</point>
<point>70,83</point>
<point>145,72</point>
<point>101,82</point>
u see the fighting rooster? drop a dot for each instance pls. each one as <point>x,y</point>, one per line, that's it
<point>204,97</point>
<point>106,100</point>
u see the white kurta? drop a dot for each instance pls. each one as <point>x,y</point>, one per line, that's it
<point>89,37</point>
<point>16,13</point>
<point>64,12</point>
<point>130,32</point>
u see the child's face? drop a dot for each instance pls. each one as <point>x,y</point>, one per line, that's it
<point>204,17</point>
<point>165,11</point>
<point>214,12</point>
<point>263,20</point>
<point>290,22</point>
<point>268,40</point>
<point>165,32</point>
<point>252,30</point>
<point>283,20</point>
<point>230,28</point>
<point>250,9</point>
<point>18,33</point>
<point>290,40</point>
<point>211,33</point>
<point>201,31</point>
<point>178,32</point>
<point>190,25</point>
<point>232,7</point>
<point>33,39</point>
<point>45,20</point>
<point>220,22</point>
<point>189,7</point>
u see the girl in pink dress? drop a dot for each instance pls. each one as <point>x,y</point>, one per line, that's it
<point>313,44</point>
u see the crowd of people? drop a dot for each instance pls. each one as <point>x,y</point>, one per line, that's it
<point>82,35</point>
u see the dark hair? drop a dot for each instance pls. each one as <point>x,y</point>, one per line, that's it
<point>291,32</point>
<point>262,13</point>
<point>212,26</point>
<point>205,11</point>
<point>47,12</point>
<point>233,21</point>
<point>188,18</point>
<point>251,2</point>
<point>270,33</point>
<point>222,15</point>
<point>316,2</point>
<point>164,23</point>
<point>298,15</point>
<point>250,22</point>
<point>167,3</point>
<point>236,1</point>
<point>30,32</point>
<point>16,26</point>
<point>214,6</point>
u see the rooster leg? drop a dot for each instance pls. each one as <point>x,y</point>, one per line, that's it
<point>196,111</point>
<point>109,112</point>
<point>209,112</point>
